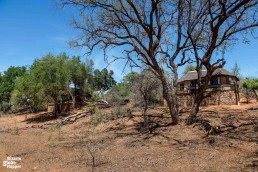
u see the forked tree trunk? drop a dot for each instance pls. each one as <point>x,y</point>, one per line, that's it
<point>171,103</point>
<point>197,99</point>
<point>194,111</point>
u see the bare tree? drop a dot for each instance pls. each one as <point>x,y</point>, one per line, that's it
<point>146,85</point>
<point>165,32</point>
<point>149,31</point>
<point>236,70</point>
<point>212,26</point>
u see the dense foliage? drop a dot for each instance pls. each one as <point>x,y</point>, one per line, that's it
<point>7,81</point>
<point>122,91</point>
<point>49,79</point>
<point>249,88</point>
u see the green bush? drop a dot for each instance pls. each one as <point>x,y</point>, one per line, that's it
<point>97,117</point>
<point>4,106</point>
<point>119,111</point>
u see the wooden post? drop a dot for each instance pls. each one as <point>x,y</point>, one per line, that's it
<point>219,98</point>
<point>236,93</point>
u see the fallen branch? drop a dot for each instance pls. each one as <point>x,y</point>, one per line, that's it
<point>253,108</point>
<point>206,126</point>
<point>72,118</point>
<point>251,123</point>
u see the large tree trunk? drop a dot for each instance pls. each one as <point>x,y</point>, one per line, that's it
<point>194,110</point>
<point>175,113</point>
<point>171,102</point>
<point>197,99</point>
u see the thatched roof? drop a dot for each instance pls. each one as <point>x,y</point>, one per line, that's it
<point>192,75</point>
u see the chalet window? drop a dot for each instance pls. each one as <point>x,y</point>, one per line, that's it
<point>193,84</point>
<point>230,80</point>
<point>214,81</point>
<point>181,87</point>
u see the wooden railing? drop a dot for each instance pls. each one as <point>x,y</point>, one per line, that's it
<point>219,87</point>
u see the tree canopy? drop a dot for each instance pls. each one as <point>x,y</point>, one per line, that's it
<point>103,80</point>
<point>7,81</point>
<point>50,79</point>
<point>52,72</point>
<point>251,84</point>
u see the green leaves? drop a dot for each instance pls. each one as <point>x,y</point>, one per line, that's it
<point>7,81</point>
<point>47,78</point>
<point>103,80</point>
<point>77,71</point>
<point>51,77</point>
<point>250,83</point>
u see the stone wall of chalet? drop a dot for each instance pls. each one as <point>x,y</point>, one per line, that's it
<point>218,98</point>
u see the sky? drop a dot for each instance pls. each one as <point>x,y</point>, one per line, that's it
<point>30,29</point>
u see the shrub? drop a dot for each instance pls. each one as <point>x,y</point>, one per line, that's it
<point>118,94</point>
<point>97,117</point>
<point>5,106</point>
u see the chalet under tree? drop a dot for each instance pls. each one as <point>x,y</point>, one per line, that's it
<point>223,85</point>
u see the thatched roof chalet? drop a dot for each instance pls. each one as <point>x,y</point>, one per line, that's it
<point>192,75</point>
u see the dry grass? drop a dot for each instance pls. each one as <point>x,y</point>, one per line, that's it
<point>123,145</point>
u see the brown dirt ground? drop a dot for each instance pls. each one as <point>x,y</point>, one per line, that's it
<point>122,145</point>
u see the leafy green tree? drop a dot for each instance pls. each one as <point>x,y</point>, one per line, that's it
<point>7,81</point>
<point>103,80</point>
<point>80,75</point>
<point>52,72</point>
<point>29,92</point>
<point>118,94</point>
<point>130,78</point>
<point>122,91</point>
<point>78,72</point>
<point>250,85</point>
<point>51,77</point>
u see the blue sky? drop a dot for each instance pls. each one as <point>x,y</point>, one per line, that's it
<point>30,29</point>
